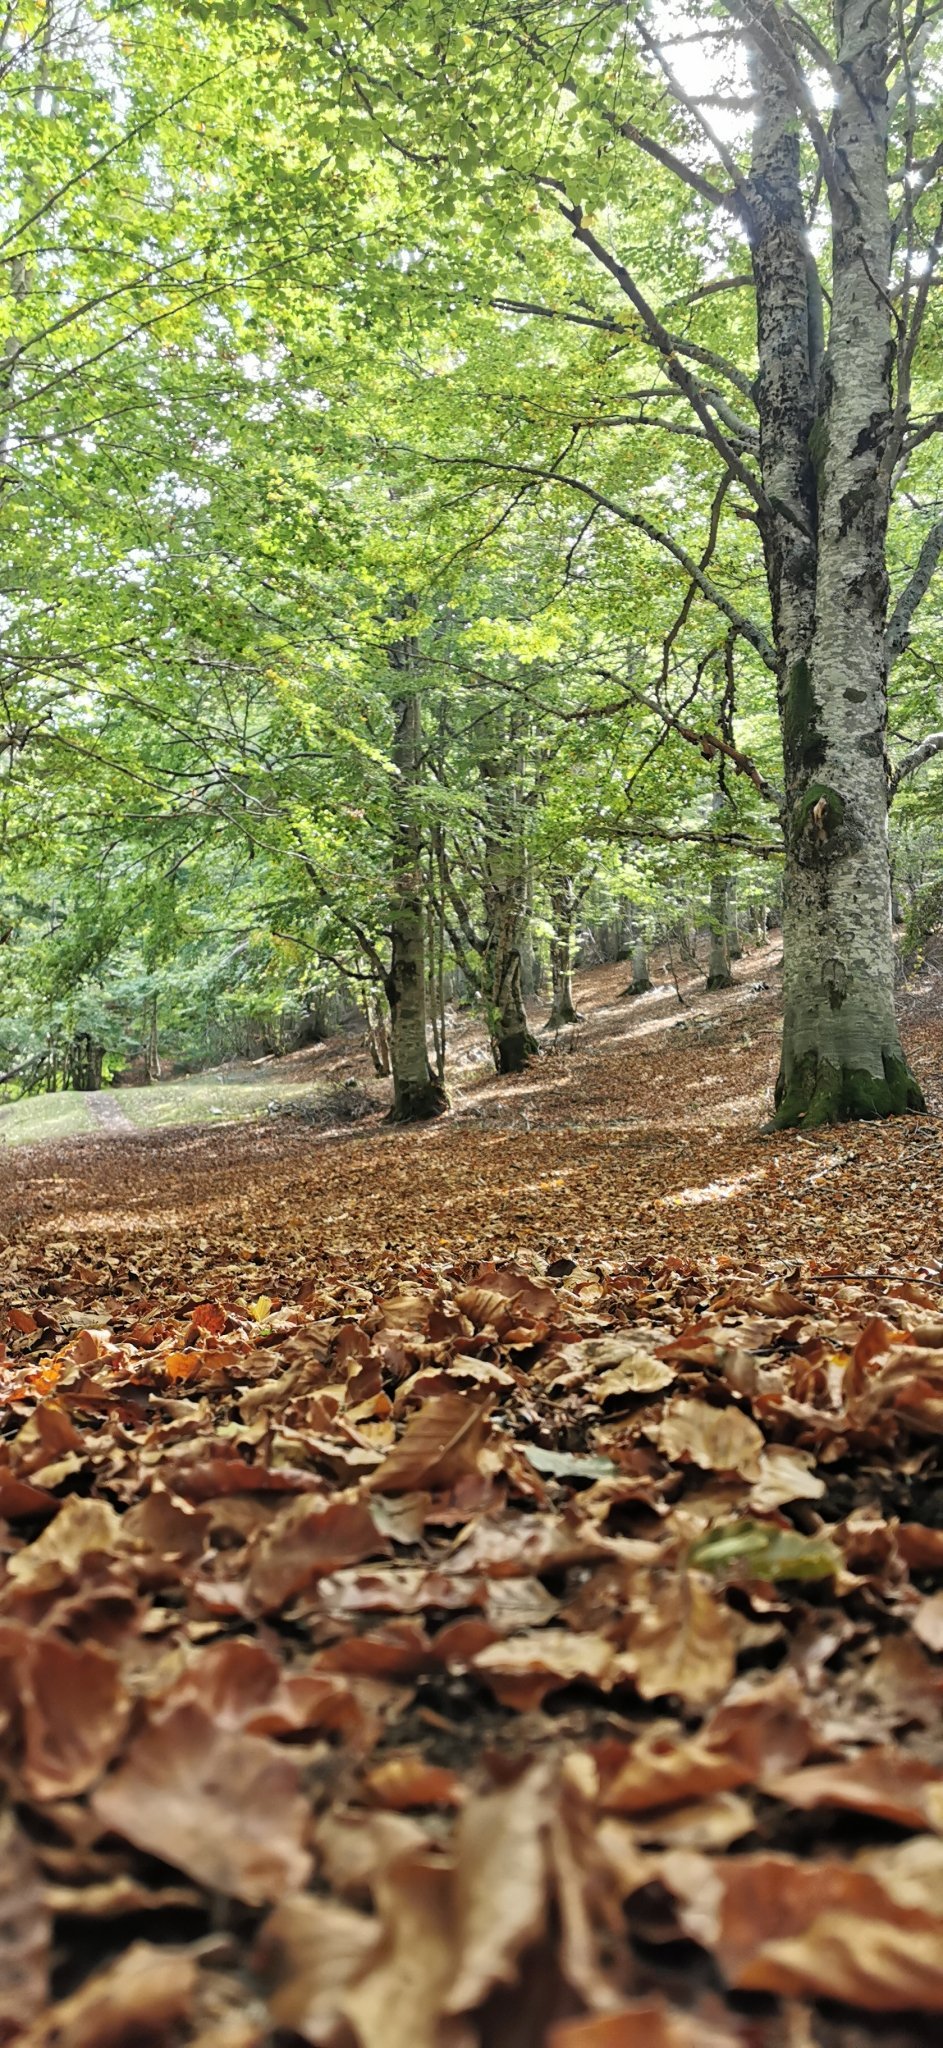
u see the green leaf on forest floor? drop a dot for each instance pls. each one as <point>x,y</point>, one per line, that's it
<point>766,1551</point>
<point>569,1465</point>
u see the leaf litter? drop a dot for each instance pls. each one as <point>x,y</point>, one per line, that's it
<point>419,1648</point>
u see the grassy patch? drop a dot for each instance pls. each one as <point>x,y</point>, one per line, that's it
<point>206,1099</point>
<point>42,1119</point>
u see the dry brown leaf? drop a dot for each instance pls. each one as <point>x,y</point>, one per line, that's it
<point>141,1997</point>
<point>888,1782</point>
<point>646,2023</point>
<point>522,1670</point>
<point>309,1951</point>
<point>440,1444</point>
<point>927,1623</point>
<point>25,1932</point>
<point>613,1364</point>
<point>402,1782</point>
<point>716,1439</point>
<point>784,1475</point>
<point>500,1885</point>
<point>355,1847</point>
<point>904,1681</point>
<point>310,1539</point>
<point>75,1713</point>
<point>82,1529</point>
<point>223,1806</point>
<point>682,1640</point>
<point>401,2000</point>
<point>818,1929</point>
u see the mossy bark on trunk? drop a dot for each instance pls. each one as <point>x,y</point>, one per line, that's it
<point>824,427</point>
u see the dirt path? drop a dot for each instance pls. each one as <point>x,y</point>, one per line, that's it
<point>104,1110</point>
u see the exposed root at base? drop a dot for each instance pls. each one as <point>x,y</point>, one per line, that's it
<point>818,1092</point>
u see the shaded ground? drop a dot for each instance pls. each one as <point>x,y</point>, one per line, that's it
<point>479,1586</point>
<point>637,1132</point>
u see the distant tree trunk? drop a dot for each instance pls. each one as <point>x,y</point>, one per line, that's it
<point>505,906</point>
<point>512,1041</point>
<point>734,932</point>
<point>718,966</point>
<point>417,1094</point>
<point>377,1035</point>
<point>151,1055</point>
<point>563,902</point>
<point>84,1063</point>
<point>641,980</point>
<point>530,974</point>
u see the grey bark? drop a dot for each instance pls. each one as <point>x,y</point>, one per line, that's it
<point>563,905</point>
<point>823,432</point>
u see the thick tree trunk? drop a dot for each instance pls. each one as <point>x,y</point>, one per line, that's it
<point>718,965</point>
<point>823,432</point>
<point>563,1010</point>
<point>417,1095</point>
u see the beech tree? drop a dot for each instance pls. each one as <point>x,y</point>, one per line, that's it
<point>772,155</point>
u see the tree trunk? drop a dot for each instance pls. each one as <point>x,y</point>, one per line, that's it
<point>505,905</point>
<point>562,907</point>
<point>151,1054</point>
<point>512,1041</point>
<point>417,1095</point>
<point>823,432</point>
<point>376,1035</point>
<point>718,965</point>
<point>641,980</point>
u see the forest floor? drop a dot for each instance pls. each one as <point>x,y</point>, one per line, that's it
<point>478,1586</point>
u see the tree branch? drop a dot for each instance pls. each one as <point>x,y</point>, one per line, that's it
<point>744,626</point>
<point>924,751</point>
<point>897,637</point>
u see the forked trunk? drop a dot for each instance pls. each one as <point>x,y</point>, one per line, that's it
<point>824,427</point>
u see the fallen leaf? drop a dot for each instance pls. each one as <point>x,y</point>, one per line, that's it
<point>308,1952</point>
<point>440,1444</point>
<point>522,1670</point>
<point>25,1932</point>
<point>682,1640</point>
<point>716,1439</point>
<point>225,1807</point>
